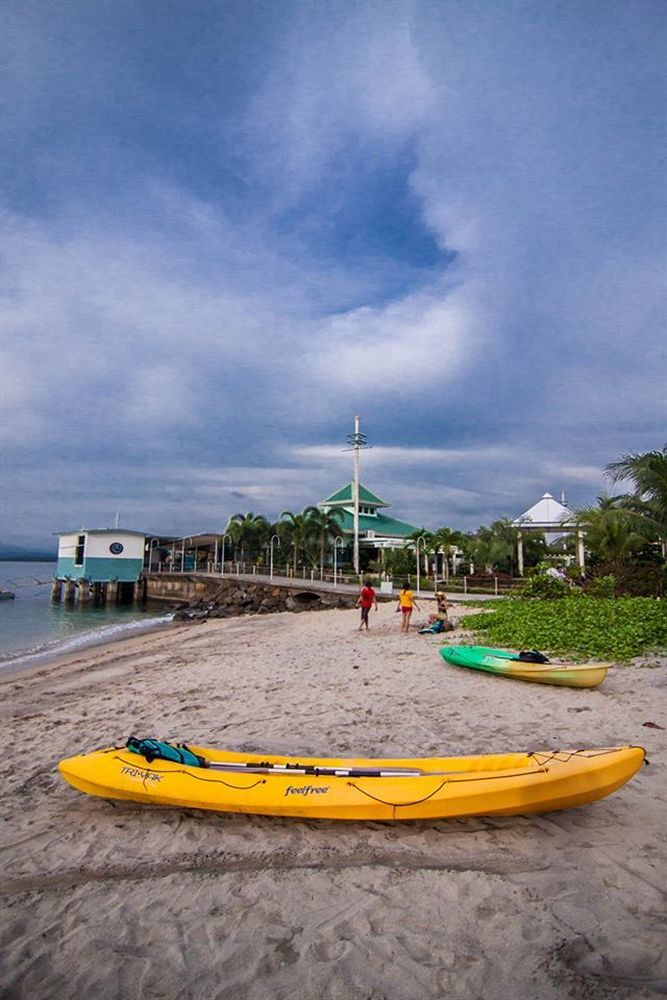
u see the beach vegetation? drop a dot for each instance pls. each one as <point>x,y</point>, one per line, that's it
<point>399,562</point>
<point>612,531</point>
<point>543,585</point>
<point>419,544</point>
<point>602,586</point>
<point>576,626</point>
<point>249,533</point>
<point>648,473</point>
<point>626,535</point>
<point>493,548</point>
<point>323,527</point>
<point>644,575</point>
<point>443,544</point>
<point>296,533</point>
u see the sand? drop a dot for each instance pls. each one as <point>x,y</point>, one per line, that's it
<point>126,901</point>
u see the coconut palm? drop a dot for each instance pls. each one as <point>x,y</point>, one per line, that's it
<point>443,542</point>
<point>648,472</point>
<point>324,526</point>
<point>610,529</point>
<point>494,545</point>
<point>299,530</point>
<point>398,562</point>
<point>412,542</point>
<point>249,531</point>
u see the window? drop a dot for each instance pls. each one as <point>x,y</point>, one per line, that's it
<point>80,546</point>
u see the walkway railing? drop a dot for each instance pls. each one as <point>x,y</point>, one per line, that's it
<point>466,584</point>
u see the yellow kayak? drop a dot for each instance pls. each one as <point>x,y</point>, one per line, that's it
<point>506,663</point>
<point>357,788</point>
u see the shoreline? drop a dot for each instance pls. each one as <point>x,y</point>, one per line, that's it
<point>264,908</point>
<point>27,662</point>
<point>24,662</point>
<point>57,660</point>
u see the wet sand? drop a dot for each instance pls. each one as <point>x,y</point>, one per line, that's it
<point>127,901</point>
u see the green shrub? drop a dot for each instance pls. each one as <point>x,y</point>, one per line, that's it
<point>544,588</point>
<point>602,586</point>
<point>605,628</point>
<point>640,579</point>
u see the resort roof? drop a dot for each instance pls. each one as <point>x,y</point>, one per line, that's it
<point>379,524</point>
<point>103,531</point>
<point>546,513</point>
<point>203,538</point>
<point>343,498</point>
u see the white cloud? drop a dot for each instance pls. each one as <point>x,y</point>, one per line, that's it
<point>158,325</point>
<point>368,88</point>
<point>413,342</point>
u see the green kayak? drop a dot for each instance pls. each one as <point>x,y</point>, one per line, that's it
<point>506,663</point>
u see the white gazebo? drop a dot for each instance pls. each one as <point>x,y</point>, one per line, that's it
<point>551,517</point>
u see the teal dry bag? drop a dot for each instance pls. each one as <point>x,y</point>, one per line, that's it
<point>157,750</point>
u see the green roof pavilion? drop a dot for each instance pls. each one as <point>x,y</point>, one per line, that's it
<point>376,530</point>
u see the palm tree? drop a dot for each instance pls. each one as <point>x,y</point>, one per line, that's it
<point>648,472</point>
<point>398,562</point>
<point>412,542</point>
<point>610,529</point>
<point>300,532</point>
<point>466,541</point>
<point>249,530</point>
<point>494,545</point>
<point>443,542</point>
<point>324,525</point>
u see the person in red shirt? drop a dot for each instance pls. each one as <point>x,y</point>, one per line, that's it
<point>365,601</point>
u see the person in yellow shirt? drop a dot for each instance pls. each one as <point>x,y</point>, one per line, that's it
<point>406,602</point>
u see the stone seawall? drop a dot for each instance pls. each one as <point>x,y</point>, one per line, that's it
<point>206,597</point>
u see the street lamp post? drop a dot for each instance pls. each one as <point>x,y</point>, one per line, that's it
<point>277,539</point>
<point>423,541</point>
<point>338,540</point>
<point>222,564</point>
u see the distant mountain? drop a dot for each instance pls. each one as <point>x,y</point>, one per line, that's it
<point>17,553</point>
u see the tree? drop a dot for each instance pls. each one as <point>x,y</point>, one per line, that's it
<point>249,531</point>
<point>610,529</point>
<point>443,542</point>
<point>466,541</point>
<point>300,532</point>
<point>648,471</point>
<point>399,562</point>
<point>324,525</point>
<point>412,542</point>
<point>494,546</point>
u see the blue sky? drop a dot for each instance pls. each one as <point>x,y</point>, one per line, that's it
<point>230,227</point>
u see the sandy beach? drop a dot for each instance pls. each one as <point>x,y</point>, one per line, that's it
<point>116,900</point>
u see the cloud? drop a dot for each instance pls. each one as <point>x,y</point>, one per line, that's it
<point>321,100</point>
<point>410,342</point>
<point>231,228</point>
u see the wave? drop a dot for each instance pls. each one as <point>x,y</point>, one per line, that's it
<point>95,637</point>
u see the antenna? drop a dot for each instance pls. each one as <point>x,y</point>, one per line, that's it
<point>358,441</point>
<point>117,524</point>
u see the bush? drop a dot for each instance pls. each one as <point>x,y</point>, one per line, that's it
<point>640,579</point>
<point>601,586</point>
<point>544,588</point>
<point>606,628</point>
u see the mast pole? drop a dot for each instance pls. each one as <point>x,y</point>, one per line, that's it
<point>358,441</point>
<point>355,494</point>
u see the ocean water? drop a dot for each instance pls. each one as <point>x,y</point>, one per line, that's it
<point>32,629</point>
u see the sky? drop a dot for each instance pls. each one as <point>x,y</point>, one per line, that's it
<point>230,227</point>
